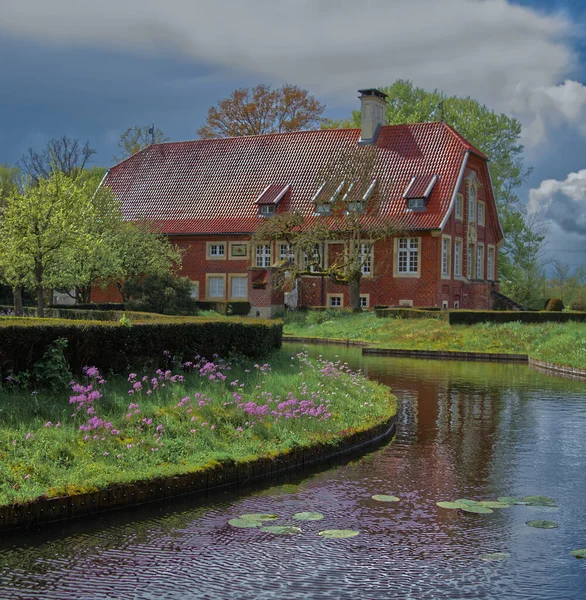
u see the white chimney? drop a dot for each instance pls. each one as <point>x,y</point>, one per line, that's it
<point>373,114</point>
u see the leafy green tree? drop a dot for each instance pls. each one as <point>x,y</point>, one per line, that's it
<point>10,180</point>
<point>565,282</point>
<point>498,136</point>
<point>94,258</point>
<point>140,251</point>
<point>35,228</point>
<point>136,138</point>
<point>163,293</point>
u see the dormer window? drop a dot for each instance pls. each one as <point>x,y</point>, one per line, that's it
<point>418,191</point>
<point>269,199</point>
<point>323,210</point>
<point>266,210</point>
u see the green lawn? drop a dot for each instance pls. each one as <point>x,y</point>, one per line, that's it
<point>146,425</point>
<point>562,343</point>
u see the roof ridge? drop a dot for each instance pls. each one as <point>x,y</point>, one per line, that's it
<point>462,139</point>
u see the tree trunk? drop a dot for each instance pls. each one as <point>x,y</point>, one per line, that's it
<point>354,286</point>
<point>40,301</point>
<point>17,295</point>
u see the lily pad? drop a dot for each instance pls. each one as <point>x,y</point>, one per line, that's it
<point>259,516</point>
<point>581,553</point>
<point>538,500</point>
<point>308,516</point>
<point>494,504</point>
<point>509,500</point>
<point>494,556</point>
<point>466,501</point>
<point>245,523</point>
<point>338,534</point>
<point>281,529</point>
<point>385,498</point>
<point>478,509</point>
<point>540,524</point>
<point>451,505</point>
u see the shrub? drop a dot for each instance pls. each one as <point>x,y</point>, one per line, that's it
<point>163,294</point>
<point>52,371</point>
<point>411,313</point>
<point>91,306</point>
<point>225,308</point>
<point>579,305</point>
<point>471,317</point>
<point>555,304</point>
<point>112,346</point>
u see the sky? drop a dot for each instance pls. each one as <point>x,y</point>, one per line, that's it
<point>90,70</point>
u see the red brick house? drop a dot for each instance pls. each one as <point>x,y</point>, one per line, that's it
<point>209,196</point>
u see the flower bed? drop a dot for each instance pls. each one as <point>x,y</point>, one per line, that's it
<point>184,419</point>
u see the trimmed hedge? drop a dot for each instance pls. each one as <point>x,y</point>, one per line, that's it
<point>87,315</point>
<point>411,313</point>
<point>91,306</point>
<point>114,347</point>
<point>226,308</point>
<point>470,317</point>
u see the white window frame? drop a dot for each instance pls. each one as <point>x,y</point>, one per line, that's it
<point>480,261</point>
<point>416,204</point>
<point>458,250</point>
<point>267,210</point>
<point>364,300</point>
<point>213,250</point>
<point>481,213</point>
<point>262,255</point>
<point>215,276</point>
<point>366,259</point>
<point>317,254</point>
<point>240,277</point>
<point>471,262</point>
<point>446,261</point>
<point>335,297</point>
<point>472,200</point>
<point>288,254</point>
<point>490,262</point>
<point>407,261</point>
<point>194,290</point>
<point>459,206</point>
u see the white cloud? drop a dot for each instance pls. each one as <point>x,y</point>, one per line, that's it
<point>544,108</point>
<point>482,48</point>
<point>562,203</point>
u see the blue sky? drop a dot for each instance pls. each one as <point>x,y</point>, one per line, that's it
<point>90,70</point>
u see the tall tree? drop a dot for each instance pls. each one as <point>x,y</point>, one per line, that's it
<point>136,138</point>
<point>498,136</point>
<point>35,227</point>
<point>347,200</point>
<point>565,282</point>
<point>59,155</point>
<point>10,180</point>
<point>259,110</point>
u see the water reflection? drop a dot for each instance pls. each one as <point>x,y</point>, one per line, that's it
<point>476,430</point>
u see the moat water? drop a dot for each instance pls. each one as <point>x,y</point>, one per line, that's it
<point>466,430</point>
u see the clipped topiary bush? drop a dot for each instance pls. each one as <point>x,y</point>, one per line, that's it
<point>555,304</point>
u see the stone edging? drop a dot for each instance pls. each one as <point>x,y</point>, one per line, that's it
<point>325,341</point>
<point>45,510</point>
<point>447,355</point>
<point>564,371</point>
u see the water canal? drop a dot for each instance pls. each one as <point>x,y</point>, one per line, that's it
<point>466,430</point>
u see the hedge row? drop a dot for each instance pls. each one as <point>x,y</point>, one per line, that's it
<point>92,306</point>
<point>470,317</point>
<point>86,315</point>
<point>240,309</point>
<point>114,347</point>
<point>410,313</point>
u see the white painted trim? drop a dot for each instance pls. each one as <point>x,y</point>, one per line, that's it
<point>322,186</point>
<point>263,193</point>
<point>369,191</point>
<point>347,191</point>
<point>430,186</point>
<point>280,196</point>
<point>409,187</point>
<point>458,183</point>
<point>337,192</point>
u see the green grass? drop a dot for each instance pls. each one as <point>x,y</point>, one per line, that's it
<point>561,343</point>
<point>172,434</point>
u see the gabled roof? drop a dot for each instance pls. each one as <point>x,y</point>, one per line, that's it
<point>420,186</point>
<point>212,186</point>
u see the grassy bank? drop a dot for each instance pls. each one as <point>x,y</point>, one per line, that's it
<point>147,425</point>
<point>561,343</point>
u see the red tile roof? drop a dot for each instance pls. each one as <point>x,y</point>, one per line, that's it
<point>211,186</point>
<point>420,186</point>
<point>273,194</point>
